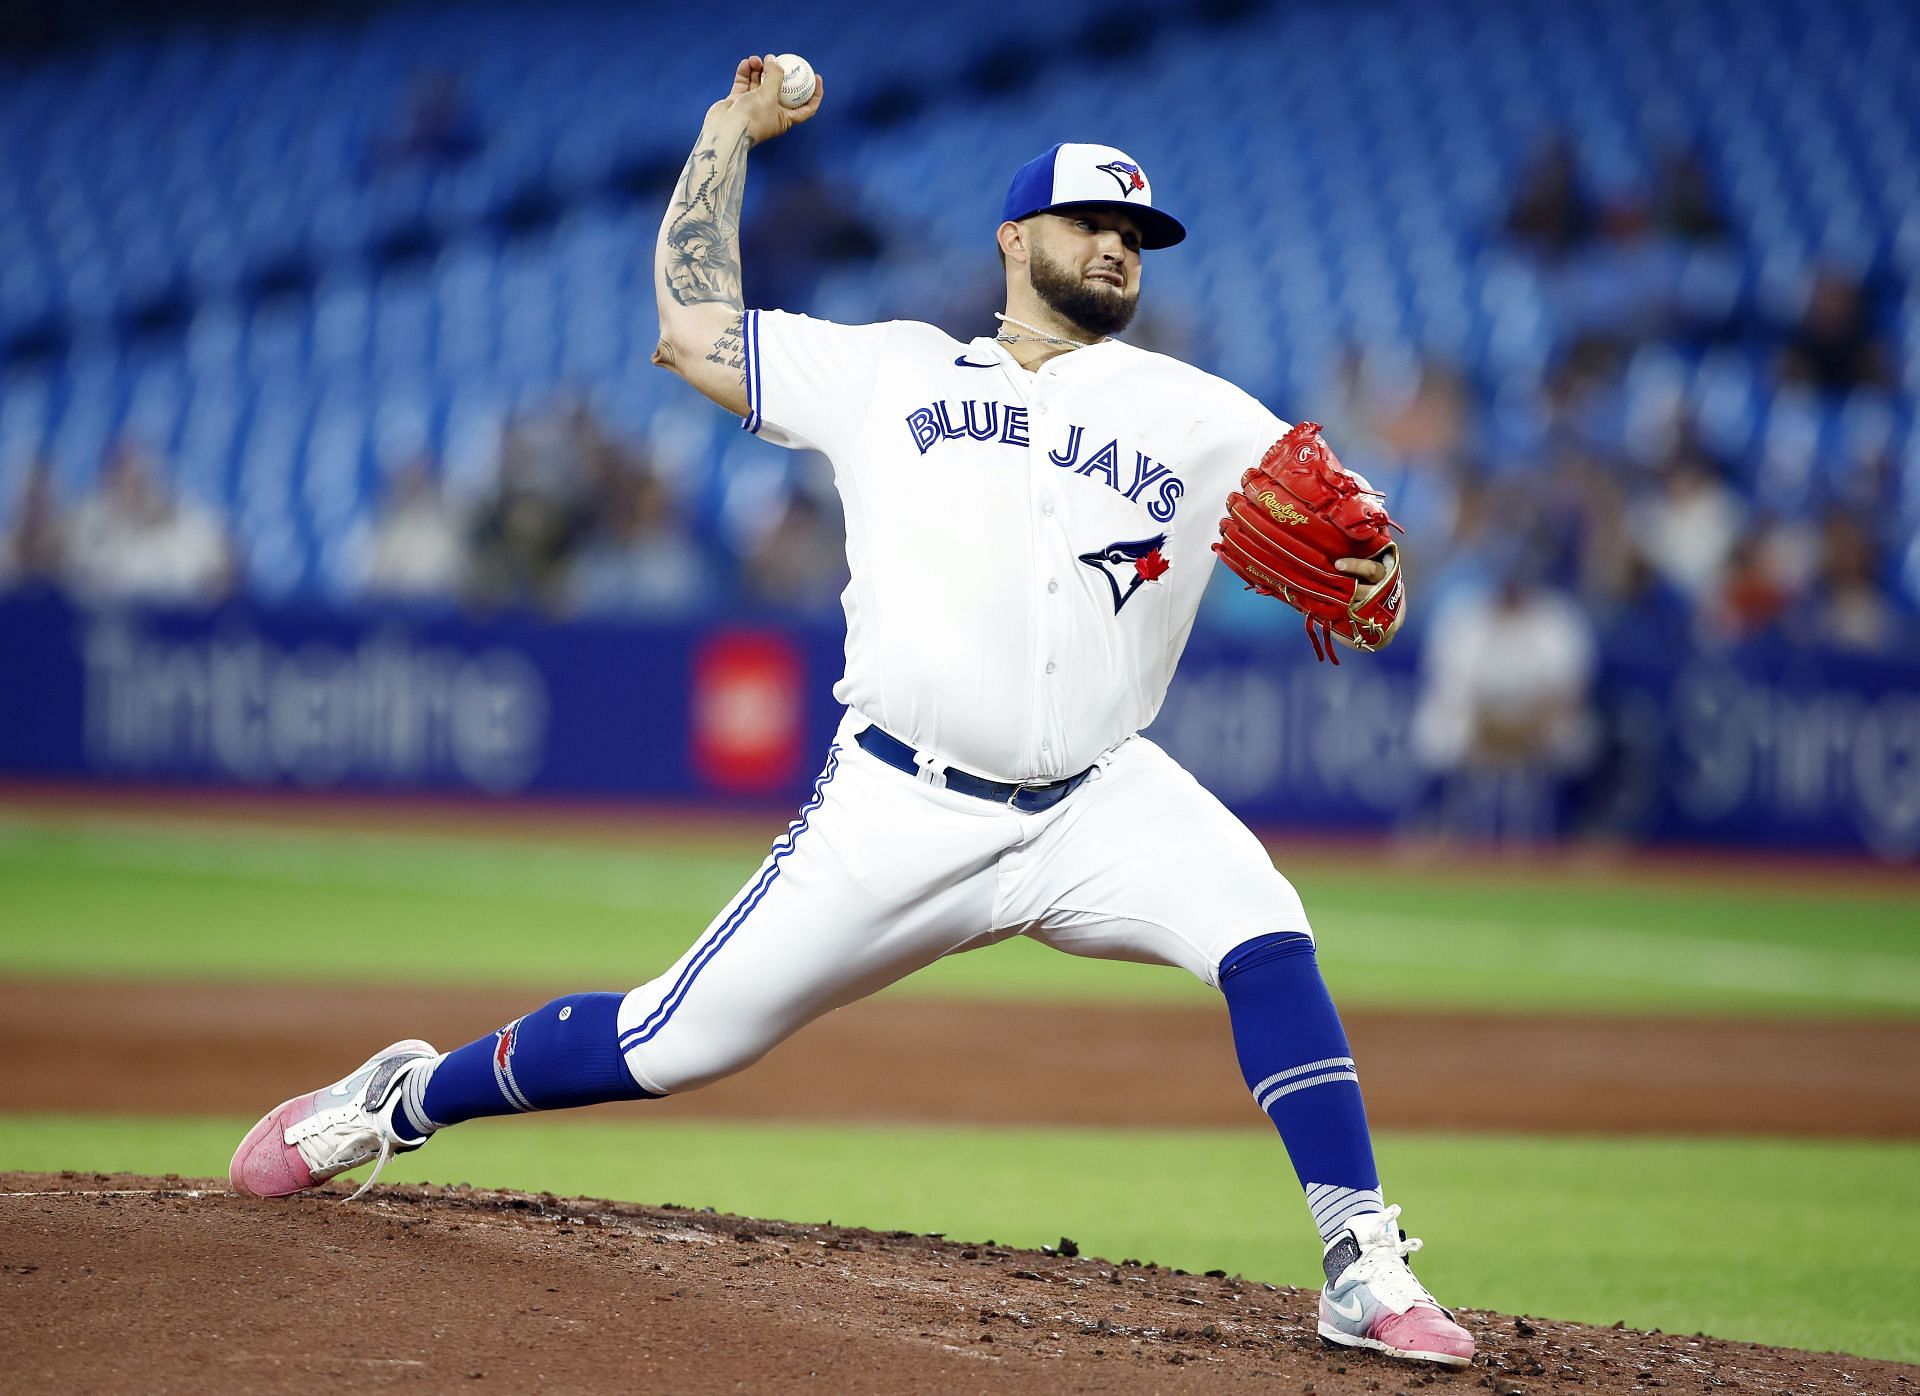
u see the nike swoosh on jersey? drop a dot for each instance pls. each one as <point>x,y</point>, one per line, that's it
<point>1350,1314</point>
<point>964,362</point>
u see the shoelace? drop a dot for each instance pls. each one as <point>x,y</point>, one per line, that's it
<point>1383,1266</point>
<point>379,1162</point>
<point>381,1121</point>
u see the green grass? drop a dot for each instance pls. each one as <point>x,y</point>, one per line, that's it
<point>1804,1244</point>
<point>190,901</point>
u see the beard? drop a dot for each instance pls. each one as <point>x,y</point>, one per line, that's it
<point>1093,306</point>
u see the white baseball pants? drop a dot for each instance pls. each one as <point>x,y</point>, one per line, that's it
<point>882,874</point>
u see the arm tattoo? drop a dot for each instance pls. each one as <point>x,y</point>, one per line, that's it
<point>702,262</point>
<point>729,351</point>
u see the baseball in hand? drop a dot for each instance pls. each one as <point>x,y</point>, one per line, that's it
<point>796,84</point>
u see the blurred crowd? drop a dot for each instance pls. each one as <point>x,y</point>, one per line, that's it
<point>1626,509</point>
<point>575,522</point>
<point>1548,528</point>
<point>132,538</point>
<point>1621,529</point>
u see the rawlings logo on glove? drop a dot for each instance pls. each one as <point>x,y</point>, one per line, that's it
<point>1297,513</point>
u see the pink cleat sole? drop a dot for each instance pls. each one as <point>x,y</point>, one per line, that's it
<point>1421,1334</point>
<point>266,1165</point>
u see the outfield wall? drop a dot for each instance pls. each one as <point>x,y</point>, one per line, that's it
<point>1769,748</point>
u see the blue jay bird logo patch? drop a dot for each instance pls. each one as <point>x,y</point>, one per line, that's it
<point>1126,175</point>
<point>1133,563</point>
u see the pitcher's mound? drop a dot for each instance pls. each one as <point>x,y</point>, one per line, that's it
<point>117,1283</point>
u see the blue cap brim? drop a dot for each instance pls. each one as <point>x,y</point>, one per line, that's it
<point>1157,229</point>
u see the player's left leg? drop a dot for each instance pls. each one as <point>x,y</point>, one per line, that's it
<point>878,876</point>
<point>562,1054</point>
<point>1144,864</point>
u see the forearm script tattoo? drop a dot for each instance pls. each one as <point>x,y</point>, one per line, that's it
<point>703,229</point>
<point>728,350</point>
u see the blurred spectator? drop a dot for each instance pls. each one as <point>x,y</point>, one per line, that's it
<point>439,126</point>
<point>1505,719</point>
<point>1431,422</point>
<point>1836,346</point>
<point>1442,566</point>
<point>1868,484</point>
<point>33,551</point>
<point>1848,608</point>
<point>1403,424</point>
<point>1551,212</point>
<point>1633,606</point>
<point>799,560</point>
<point>1758,586</point>
<point>1684,204</point>
<point>134,539</point>
<point>801,225</point>
<point>640,559</point>
<point>418,547</point>
<point>1577,393</point>
<point>1688,529</point>
<point>551,464</point>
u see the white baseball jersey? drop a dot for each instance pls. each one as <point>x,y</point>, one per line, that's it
<point>1028,549</point>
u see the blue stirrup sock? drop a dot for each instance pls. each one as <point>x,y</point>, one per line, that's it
<point>562,1054</point>
<point>1294,1055</point>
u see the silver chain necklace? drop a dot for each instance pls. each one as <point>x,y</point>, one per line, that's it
<point>1037,335</point>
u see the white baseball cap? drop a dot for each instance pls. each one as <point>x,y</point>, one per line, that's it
<point>1090,176</point>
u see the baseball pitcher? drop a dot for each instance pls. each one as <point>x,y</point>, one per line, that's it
<point>1031,516</point>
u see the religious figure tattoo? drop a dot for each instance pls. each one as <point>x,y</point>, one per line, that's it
<point>703,229</point>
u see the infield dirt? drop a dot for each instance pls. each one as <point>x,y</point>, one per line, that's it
<point>117,1283</point>
<point>236,1049</point>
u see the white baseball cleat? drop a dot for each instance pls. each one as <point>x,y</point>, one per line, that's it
<point>313,1137</point>
<point>1372,1299</point>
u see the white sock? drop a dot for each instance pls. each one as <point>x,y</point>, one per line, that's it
<point>1334,1206</point>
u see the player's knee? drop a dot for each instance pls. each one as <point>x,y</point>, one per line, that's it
<point>1280,918</point>
<point>670,1052</point>
<point>682,1062</point>
<point>1264,949</point>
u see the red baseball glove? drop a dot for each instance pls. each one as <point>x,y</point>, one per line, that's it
<point>1297,513</point>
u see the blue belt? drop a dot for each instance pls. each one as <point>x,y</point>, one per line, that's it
<point>1026,797</point>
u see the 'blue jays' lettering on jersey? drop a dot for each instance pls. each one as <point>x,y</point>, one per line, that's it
<point>1129,472</point>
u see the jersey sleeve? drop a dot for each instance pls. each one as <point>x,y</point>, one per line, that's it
<point>809,381</point>
<point>1241,428</point>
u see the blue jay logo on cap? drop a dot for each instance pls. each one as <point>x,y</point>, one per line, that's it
<point>1068,177</point>
<point>1126,174</point>
<point>1139,560</point>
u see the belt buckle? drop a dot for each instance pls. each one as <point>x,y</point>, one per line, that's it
<point>1024,786</point>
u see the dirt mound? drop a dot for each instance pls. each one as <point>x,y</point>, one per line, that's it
<point>117,1283</point>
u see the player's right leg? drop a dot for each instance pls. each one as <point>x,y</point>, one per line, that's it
<point>879,875</point>
<point>1145,864</point>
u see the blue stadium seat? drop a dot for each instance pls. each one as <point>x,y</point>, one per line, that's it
<point>314,262</point>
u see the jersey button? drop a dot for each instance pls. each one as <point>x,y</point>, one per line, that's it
<point>1053,585</point>
<point>1050,666</point>
<point>1047,508</point>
